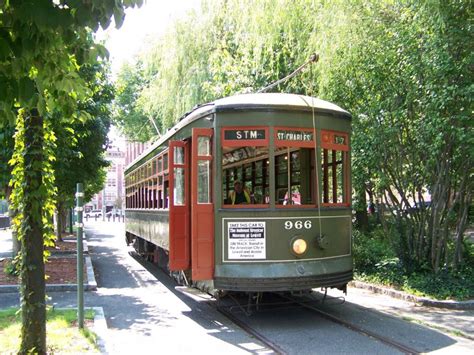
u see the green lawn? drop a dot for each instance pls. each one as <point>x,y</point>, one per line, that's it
<point>63,336</point>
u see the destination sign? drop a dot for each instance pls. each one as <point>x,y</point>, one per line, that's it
<point>244,134</point>
<point>299,136</point>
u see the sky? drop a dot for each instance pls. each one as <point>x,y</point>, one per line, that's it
<point>150,20</point>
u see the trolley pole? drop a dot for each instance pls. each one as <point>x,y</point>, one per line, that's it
<point>80,258</point>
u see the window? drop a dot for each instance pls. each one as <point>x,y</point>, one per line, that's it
<point>294,176</point>
<point>335,166</point>
<point>245,173</point>
<point>148,186</point>
<point>178,174</point>
<point>162,190</point>
<point>204,169</point>
<point>294,167</point>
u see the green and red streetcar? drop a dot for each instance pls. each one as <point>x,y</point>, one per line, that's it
<point>248,193</point>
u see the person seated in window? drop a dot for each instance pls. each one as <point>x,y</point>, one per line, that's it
<point>240,195</point>
<point>295,198</point>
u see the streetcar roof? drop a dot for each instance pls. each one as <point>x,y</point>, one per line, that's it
<point>277,100</point>
<point>262,101</point>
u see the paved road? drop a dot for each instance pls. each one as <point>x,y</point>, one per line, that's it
<point>142,313</point>
<point>145,312</point>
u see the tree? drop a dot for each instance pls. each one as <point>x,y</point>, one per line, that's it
<point>6,152</point>
<point>131,121</point>
<point>42,45</point>
<point>81,145</point>
<point>405,71</point>
<point>226,48</point>
<point>402,68</point>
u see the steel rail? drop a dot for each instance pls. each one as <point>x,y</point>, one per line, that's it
<point>390,342</point>
<point>276,348</point>
<point>267,342</point>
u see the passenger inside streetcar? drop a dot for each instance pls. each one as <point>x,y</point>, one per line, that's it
<point>240,195</point>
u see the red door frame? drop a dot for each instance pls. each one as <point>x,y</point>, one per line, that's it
<point>202,235</point>
<point>179,227</point>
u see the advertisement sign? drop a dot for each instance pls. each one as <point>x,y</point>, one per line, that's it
<point>246,240</point>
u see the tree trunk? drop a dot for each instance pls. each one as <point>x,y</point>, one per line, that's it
<point>71,220</point>
<point>361,213</point>
<point>461,228</point>
<point>60,224</point>
<point>33,305</point>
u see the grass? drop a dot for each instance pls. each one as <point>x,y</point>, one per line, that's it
<point>62,336</point>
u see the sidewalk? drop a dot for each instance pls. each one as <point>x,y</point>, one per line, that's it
<point>145,311</point>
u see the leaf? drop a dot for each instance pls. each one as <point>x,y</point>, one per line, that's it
<point>26,90</point>
<point>5,50</point>
<point>119,17</point>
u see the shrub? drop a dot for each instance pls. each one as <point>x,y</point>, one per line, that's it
<point>370,250</point>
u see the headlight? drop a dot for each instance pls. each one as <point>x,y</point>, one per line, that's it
<point>299,246</point>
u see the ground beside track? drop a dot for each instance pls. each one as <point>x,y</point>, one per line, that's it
<point>145,312</point>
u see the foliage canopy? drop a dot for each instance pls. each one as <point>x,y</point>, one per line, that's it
<point>43,44</point>
<point>402,68</point>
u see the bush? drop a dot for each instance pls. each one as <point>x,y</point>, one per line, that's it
<point>370,250</point>
<point>446,284</point>
<point>375,261</point>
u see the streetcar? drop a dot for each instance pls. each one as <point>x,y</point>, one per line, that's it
<point>290,229</point>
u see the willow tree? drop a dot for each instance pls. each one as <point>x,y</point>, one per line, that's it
<point>225,48</point>
<point>402,68</point>
<point>404,73</point>
<point>42,46</point>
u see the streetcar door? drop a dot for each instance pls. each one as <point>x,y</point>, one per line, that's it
<point>202,206</point>
<point>179,204</point>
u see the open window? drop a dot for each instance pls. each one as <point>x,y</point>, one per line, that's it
<point>162,181</point>
<point>335,168</point>
<point>294,167</point>
<point>245,166</point>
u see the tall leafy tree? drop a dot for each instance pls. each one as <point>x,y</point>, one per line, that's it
<point>128,117</point>
<point>42,46</point>
<point>403,68</point>
<point>81,145</point>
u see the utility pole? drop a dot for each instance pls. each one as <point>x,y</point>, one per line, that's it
<point>80,257</point>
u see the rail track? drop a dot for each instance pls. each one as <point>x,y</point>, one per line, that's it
<point>390,342</point>
<point>231,307</point>
<point>287,301</point>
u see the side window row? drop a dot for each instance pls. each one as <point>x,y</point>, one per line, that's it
<point>148,185</point>
<point>246,167</point>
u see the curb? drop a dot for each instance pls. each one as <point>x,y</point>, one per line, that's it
<point>423,301</point>
<point>100,329</point>
<point>91,284</point>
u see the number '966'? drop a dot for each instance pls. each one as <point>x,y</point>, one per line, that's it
<point>298,224</point>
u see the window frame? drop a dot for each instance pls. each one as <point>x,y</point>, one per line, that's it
<point>293,143</point>
<point>143,188</point>
<point>240,143</point>
<point>328,143</point>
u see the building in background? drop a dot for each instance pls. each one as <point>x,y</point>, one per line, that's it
<point>112,195</point>
<point>120,153</point>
